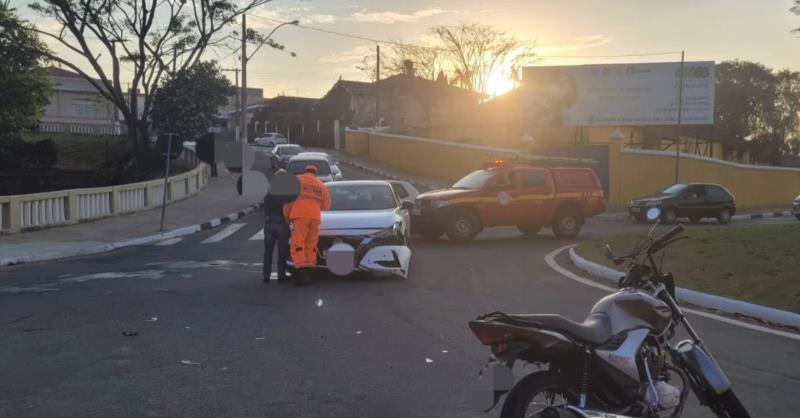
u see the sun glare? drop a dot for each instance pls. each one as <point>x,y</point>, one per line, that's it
<point>498,83</point>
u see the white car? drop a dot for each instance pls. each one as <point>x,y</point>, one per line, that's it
<point>298,163</point>
<point>367,229</point>
<point>404,190</point>
<point>271,139</point>
<point>336,173</point>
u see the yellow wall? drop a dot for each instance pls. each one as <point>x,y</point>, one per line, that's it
<point>425,157</point>
<point>637,174</point>
<point>357,143</point>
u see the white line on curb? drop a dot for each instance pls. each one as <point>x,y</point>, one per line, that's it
<point>551,262</point>
<point>171,241</point>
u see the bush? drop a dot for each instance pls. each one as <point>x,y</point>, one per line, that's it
<point>19,154</point>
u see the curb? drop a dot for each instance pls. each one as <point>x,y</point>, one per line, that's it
<point>743,217</point>
<point>149,239</point>
<point>763,314</point>
<point>387,175</point>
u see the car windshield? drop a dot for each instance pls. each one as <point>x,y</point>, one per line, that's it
<point>474,180</point>
<point>675,189</point>
<point>290,150</point>
<point>361,197</point>
<point>299,167</point>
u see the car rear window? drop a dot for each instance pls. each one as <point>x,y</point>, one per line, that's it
<point>299,167</point>
<point>575,177</point>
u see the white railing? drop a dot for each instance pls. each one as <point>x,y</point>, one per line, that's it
<point>83,129</point>
<point>63,207</point>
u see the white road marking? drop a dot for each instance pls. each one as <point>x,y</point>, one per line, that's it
<point>225,233</point>
<point>258,236</point>
<point>550,259</point>
<point>171,241</point>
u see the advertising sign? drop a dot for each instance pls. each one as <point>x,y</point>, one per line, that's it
<point>618,94</point>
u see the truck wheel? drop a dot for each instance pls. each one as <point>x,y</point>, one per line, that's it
<point>567,223</point>
<point>529,230</point>
<point>463,226</point>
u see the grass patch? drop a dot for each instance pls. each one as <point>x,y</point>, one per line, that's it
<point>755,263</point>
<point>83,152</point>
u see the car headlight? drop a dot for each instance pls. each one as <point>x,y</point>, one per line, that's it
<point>438,204</point>
<point>394,231</point>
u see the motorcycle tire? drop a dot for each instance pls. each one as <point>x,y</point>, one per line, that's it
<point>731,406</point>
<point>535,384</point>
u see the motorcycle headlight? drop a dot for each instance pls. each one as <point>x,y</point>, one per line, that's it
<point>438,204</point>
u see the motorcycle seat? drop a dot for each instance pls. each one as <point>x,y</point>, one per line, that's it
<point>594,330</point>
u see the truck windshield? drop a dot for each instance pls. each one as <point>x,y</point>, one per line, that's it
<point>474,180</point>
<point>675,189</point>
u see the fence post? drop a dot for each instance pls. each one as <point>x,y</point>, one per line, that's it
<point>72,206</point>
<point>14,213</point>
<point>115,201</point>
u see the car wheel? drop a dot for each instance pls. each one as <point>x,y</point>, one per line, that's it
<point>463,226</point>
<point>567,223</point>
<point>724,216</point>
<point>797,216</point>
<point>270,144</point>
<point>529,230</point>
<point>669,216</point>
<point>695,219</point>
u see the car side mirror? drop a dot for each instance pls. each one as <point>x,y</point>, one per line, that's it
<point>407,205</point>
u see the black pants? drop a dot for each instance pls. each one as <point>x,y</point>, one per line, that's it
<point>276,231</point>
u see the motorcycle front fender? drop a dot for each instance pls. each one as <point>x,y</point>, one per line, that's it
<point>700,363</point>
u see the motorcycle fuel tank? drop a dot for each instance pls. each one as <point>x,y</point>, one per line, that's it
<point>629,309</point>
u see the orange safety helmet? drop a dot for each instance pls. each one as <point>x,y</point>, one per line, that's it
<point>311,168</point>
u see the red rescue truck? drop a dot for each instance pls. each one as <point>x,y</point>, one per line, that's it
<point>508,194</point>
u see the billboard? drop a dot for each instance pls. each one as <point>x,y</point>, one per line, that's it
<point>618,95</point>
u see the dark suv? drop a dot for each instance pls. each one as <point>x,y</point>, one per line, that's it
<point>694,201</point>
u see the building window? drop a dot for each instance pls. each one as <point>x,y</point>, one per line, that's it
<point>86,108</point>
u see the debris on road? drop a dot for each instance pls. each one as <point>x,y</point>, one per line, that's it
<point>358,332</point>
<point>130,333</point>
<point>444,351</point>
<point>142,274</point>
<point>152,319</point>
<point>319,303</point>
<point>189,362</point>
<point>260,338</point>
<point>429,361</point>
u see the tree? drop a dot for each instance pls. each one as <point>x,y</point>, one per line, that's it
<point>469,53</point>
<point>187,101</point>
<point>24,88</point>
<point>757,105</point>
<point>155,37</point>
<point>796,10</point>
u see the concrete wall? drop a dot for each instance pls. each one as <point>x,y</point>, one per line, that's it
<point>426,157</point>
<point>635,173</point>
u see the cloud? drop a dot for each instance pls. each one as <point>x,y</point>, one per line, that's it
<point>577,43</point>
<point>365,16</point>
<point>356,53</point>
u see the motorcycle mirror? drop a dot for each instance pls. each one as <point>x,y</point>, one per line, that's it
<point>653,214</point>
<point>610,252</point>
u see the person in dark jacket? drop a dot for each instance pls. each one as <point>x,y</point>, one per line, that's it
<point>283,191</point>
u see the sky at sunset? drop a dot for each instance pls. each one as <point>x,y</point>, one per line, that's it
<point>714,30</point>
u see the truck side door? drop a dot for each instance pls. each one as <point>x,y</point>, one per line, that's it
<point>495,206</point>
<point>533,201</point>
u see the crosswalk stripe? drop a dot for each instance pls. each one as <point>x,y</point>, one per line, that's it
<point>225,233</point>
<point>258,236</point>
<point>171,241</point>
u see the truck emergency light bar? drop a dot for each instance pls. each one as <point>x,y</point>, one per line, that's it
<point>536,160</point>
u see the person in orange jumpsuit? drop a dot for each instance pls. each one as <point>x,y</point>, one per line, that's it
<point>305,215</point>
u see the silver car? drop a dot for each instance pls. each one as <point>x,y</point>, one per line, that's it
<point>298,163</point>
<point>336,173</point>
<point>796,207</point>
<point>367,229</point>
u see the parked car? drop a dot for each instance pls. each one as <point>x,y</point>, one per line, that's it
<point>271,139</point>
<point>368,226</point>
<point>336,173</point>
<point>298,164</point>
<point>796,207</point>
<point>694,201</point>
<point>504,194</point>
<point>404,190</point>
<point>281,154</point>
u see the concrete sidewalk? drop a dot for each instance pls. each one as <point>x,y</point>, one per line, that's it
<point>217,203</point>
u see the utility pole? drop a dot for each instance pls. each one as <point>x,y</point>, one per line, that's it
<point>680,111</point>
<point>377,87</point>
<point>236,94</point>
<point>244,84</point>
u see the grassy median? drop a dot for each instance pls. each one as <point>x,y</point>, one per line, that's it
<point>754,263</point>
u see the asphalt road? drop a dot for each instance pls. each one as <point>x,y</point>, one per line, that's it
<point>208,338</point>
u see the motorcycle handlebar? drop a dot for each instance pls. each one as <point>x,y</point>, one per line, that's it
<point>660,241</point>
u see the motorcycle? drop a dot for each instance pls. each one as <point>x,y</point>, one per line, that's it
<point>619,362</point>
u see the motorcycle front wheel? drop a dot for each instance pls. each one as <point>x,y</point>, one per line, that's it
<point>730,406</point>
<point>536,392</point>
